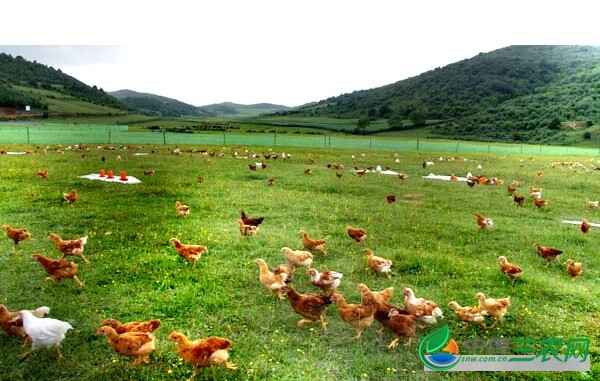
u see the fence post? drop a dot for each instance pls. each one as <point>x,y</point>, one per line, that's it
<point>417,144</point>
<point>164,136</point>
<point>109,136</point>
<point>224,138</point>
<point>457,146</point>
<point>27,134</point>
<point>370,143</point>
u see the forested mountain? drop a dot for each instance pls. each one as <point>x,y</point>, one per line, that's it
<point>153,103</point>
<point>20,78</point>
<point>156,104</point>
<point>234,109</point>
<point>514,93</point>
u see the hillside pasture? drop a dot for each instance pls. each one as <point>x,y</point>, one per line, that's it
<point>60,103</point>
<point>430,233</point>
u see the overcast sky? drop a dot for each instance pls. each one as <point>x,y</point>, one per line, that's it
<point>287,52</point>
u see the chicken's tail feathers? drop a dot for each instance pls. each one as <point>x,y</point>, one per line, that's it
<point>84,240</point>
<point>427,319</point>
<point>155,323</point>
<point>219,356</point>
<point>42,311</point>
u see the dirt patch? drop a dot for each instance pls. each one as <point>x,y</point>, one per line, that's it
<point>412,198</point>
<point>11,114</point>
<point>573,125</point>
<point>8,111</point>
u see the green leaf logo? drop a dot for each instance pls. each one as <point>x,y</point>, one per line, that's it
<point>437,339</point>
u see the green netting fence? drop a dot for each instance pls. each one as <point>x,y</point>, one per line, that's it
<point>49,133</point>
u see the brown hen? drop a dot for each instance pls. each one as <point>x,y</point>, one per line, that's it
<point>202,353</point>
<point>59,269</point>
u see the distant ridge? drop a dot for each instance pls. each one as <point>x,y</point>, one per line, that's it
<point>172,107</point>
<point>156,104</point>
<point>234,109</point>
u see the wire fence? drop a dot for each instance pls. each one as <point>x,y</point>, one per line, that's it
<point>31,133</point>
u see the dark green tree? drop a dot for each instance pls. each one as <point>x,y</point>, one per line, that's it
<point>396,122</point>
<point>385,111</point>
<point>554,123</point>
<point>361,125</point>
<point>418,118</point>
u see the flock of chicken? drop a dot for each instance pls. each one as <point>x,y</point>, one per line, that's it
<point>58,268</point>
<point>133,339</point>
<point>548,253</point>
<point>374,305</point>
<point>136,339</point>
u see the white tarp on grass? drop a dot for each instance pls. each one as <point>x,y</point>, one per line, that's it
<point>116,179</point>
<point>443,177</point>
<point>379,170</point>
<point>579,223</point>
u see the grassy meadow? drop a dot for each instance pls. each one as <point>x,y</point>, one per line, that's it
<point>430,233</point>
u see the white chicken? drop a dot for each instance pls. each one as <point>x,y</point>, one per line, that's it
<point>426,310</point>
<point>43,332</point>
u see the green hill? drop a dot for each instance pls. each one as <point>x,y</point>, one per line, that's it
<point>516,93</point>
<point>157,105</point>
<point>228,109</point>
<point>50,90</point>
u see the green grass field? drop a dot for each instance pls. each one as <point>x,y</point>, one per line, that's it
<point>430,233</point>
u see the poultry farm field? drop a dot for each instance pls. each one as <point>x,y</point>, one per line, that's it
<point>426,227</point>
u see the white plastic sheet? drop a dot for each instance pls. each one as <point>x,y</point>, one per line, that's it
<point>115,179</point>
